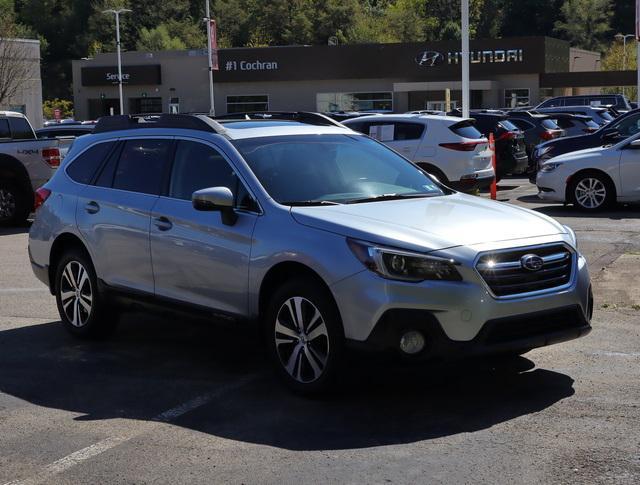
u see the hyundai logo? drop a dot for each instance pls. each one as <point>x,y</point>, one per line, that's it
<point>531,262</point>
<point>429,58</point>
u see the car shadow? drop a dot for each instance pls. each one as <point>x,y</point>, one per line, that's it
<point>152,365</point>
<point>618,212</point>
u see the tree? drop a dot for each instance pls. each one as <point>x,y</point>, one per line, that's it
<point>614,60</point>
<point>586,22</point>
<point>65,107</point>
<point>158,39</point>
<point>15,65</point>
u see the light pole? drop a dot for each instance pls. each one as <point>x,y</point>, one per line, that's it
<point>207,19</point>
<point>117,14</point>
<point>465,59</point>
<point>623,37</point>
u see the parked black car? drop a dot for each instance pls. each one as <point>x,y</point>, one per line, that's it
<point>511,152</point>
<point>537,128</point>
<point>573,125</point>
<point>622,127</point>
<point>617,101</point>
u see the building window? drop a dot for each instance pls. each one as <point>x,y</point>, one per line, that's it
<point>247,104</point>
<point>145,105</point>
<point>516,97</point>
<point>354,102</point>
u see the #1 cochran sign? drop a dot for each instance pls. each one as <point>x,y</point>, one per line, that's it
<point>251,66</point>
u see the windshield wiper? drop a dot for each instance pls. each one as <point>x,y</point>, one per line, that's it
<point>382,197</point>
<point>302,203</point>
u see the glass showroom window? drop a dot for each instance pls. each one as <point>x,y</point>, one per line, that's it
<point>247,104</point>
<point>516,97</point>
<point>355,101</point>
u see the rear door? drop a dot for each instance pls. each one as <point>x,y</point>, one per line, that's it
<point>114,213</point>
<point>403,137</point>
<point>196,257</point>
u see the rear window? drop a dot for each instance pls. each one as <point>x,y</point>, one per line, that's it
<point>606,116</point>
<point>84,167</point>
<point>21,129</point>
<point>507,125</point>
<point>550,124</point>
<point>466,129</point>
<point>522,124</point>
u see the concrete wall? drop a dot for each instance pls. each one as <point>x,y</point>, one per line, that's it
<point>29,93</point>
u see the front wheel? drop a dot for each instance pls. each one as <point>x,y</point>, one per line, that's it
<point>304,335</point>
<point>15,206</point>
<point>592,192</point>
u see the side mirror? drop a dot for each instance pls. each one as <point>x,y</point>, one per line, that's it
<point>216,199</point>
<point>609,135</point>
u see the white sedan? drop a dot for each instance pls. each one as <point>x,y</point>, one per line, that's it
<point>595,178</point>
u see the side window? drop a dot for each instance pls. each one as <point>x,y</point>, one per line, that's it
<point>198,166</point>
<point>4,129</point>
<point>83,168</point>
<point>408,131</point>
<point>20,129</point>
<point>141,165</point>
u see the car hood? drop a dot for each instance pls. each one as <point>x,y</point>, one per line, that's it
<point>581,154</point>
<point>429,223</point>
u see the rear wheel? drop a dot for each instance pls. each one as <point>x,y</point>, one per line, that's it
<point>436,172</point>
<point>304,335</point>
<point>14,204</point>
<point>81,307</point>
<point>592,192</point>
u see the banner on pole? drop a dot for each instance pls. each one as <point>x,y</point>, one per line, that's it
<point>214,46</point>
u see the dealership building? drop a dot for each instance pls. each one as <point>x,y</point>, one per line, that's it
<point>380,77</point>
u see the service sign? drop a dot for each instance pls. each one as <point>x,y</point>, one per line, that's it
<point>133,75</point>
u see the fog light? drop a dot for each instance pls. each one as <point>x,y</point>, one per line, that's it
<point>412,342</point>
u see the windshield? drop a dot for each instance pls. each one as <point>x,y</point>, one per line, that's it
<point>329,169</point>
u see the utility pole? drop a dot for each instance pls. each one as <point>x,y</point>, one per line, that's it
<point>465,59</point>
<point>212,110</point>
<point>624,37</point>
<point>117,14</point>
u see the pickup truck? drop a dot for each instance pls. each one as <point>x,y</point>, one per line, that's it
<point>26,163</point>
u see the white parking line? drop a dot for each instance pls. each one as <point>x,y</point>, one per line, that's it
<point>77,457</point>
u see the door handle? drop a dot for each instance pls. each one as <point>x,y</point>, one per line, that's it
<point>92,207</point>
<point>162,223</point>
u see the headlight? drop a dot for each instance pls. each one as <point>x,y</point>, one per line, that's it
<point>574,238</point>
<point>403,265</point>
<point>550,166</point>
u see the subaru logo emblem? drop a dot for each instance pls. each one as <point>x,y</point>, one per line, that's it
<point>531,262</point>
<point>429,58</point>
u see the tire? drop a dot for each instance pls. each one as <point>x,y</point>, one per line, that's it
<point>591,192</point>
<point>15,205</point>
<point>82,308</point>
<point>306,357</point>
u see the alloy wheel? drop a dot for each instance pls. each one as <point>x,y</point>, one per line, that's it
<point>7,204</point>
<point>590,193</point>
<point>302,339</point>
<point>76,293</point>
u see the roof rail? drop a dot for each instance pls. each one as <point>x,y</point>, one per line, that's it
<point>307,117</point>
<point>178,121</point>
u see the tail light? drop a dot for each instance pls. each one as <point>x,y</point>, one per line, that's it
<point>550,134</point>
<point>463,146</point>
<point>51,156</point>
<point>507,135</point>
<point>42,195</point>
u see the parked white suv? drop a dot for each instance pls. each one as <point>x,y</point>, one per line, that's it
<point>594,178</point>
<point>445,146</point>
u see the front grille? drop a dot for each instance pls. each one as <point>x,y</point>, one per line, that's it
<point>505,274</point>
<point>526,326</point>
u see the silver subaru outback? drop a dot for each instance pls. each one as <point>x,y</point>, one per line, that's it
<point>324,237</point>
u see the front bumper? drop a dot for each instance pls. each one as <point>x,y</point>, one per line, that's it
<point>458,316</point>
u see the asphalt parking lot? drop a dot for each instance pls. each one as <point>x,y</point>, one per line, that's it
<point>169,400</point>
